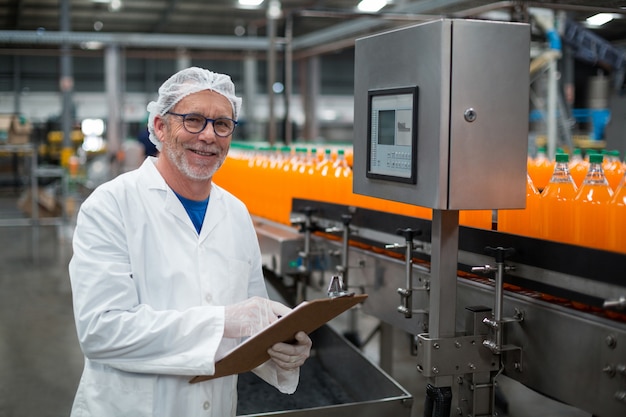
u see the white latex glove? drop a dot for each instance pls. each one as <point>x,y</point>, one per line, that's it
<point>291,356</point>
<point>250,316</point>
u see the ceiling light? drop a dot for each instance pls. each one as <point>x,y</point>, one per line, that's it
<point>250,3</point>
<point>371,5</point>
<point>599,19</point>
<point>115,5</point>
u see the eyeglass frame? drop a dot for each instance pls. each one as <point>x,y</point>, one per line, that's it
<point>206,122</point>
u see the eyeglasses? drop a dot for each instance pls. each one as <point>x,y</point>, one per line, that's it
<point>196,123</point>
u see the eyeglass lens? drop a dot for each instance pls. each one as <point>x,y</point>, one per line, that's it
<point>196,123</point>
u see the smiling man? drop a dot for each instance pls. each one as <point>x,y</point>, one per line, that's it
<point>166,273</point>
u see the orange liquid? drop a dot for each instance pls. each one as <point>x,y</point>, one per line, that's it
<point>322,180</point>
<point>614,172</point>
<point>540,170</point>
<point>557,212</point>
<point>341,189</point>
<point>578,171</point>
<point>617,220</point>
<point>525,221</point>
<point>591,212</point>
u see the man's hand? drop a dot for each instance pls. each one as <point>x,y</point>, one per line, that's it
<point>251,316</point>
<point>291,356</point>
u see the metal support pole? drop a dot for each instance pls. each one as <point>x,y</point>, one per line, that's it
<point>444,255</point>
<point>345,248</point>
<point>250,91</point>
<point>17,84</point>
<point>271,70</point>
<point>444,261</point>
<point>499,301</point>
<point>288,79</point>
<point>114,100</point>
<point>66,84</point>
<point>552,107</point>
<point>312,77</point>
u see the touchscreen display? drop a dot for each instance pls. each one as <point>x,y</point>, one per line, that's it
<point>392,134</point>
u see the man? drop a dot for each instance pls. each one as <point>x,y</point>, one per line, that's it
<point>166,272</point>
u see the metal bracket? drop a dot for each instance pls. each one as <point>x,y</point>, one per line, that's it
<point>454,356</point>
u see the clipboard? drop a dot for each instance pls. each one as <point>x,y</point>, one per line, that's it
<point>307,317</point>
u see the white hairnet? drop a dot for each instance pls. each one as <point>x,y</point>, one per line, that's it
<point>188,81</point>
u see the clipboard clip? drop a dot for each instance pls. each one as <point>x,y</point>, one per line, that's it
<point>337,289</point>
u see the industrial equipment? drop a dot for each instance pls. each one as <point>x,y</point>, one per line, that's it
<point>441,119</point>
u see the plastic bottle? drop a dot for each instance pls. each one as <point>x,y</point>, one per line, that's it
<point>540,169</point>
<point>322,174</point>
<point>284,186</point>
<point>341,191</point>
<point>617,219</point>
<point>613,169</point>
<point>557,204</point>
<point>591,207</point>
<point>308,187</point>
<point>578,167</point>
<point>525,221</point>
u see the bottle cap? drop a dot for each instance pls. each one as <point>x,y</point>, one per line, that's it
<point>596,158</point>
<point>562,157</point>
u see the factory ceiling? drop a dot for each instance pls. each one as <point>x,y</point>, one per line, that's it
<point>316,26</point>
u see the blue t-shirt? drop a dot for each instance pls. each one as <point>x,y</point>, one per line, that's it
<point>195,209</point>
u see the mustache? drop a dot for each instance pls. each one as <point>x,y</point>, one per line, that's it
<point>205,149</point>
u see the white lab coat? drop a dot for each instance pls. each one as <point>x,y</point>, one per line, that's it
<point>148,297</point>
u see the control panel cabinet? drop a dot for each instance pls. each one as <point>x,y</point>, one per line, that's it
<point>441,114</point>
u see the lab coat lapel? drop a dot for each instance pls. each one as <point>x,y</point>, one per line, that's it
<point>174,206</point>
<point>215,213</point>
<point>154,181</point>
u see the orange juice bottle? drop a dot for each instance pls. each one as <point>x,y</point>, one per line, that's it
<point>523,221</point>
<point>284,185</point>
<point>307,174</point>
<point>591,207</point>
<point>322,174</point>
<point>350,158</point>
<point>578,167</point>
<point>557,204</point>
<point>617,219</point>
<point>341,189</point>
<point>613,169</point>
<point>540,169</point>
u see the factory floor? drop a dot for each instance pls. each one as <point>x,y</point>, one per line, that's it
<point>40,360</point>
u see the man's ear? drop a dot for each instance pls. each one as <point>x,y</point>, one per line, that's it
<point>160,127</point>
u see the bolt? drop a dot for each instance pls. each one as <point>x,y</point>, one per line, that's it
<point>611,341</point>
<point>471,366</point>
<point>470,115</point>
<point>436,345</point>
<point>457,344</point>
<point>459,380</point>
<point>518,366</point>
<point>435,370</point>
<point>609,370</point>
<point>620,396</point>
<point>459,411</point>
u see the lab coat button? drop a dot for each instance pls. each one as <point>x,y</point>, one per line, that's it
<point>208,298</point>
<point>206,405</point>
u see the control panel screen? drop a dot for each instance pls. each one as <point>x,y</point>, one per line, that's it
<point>392,134</point>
